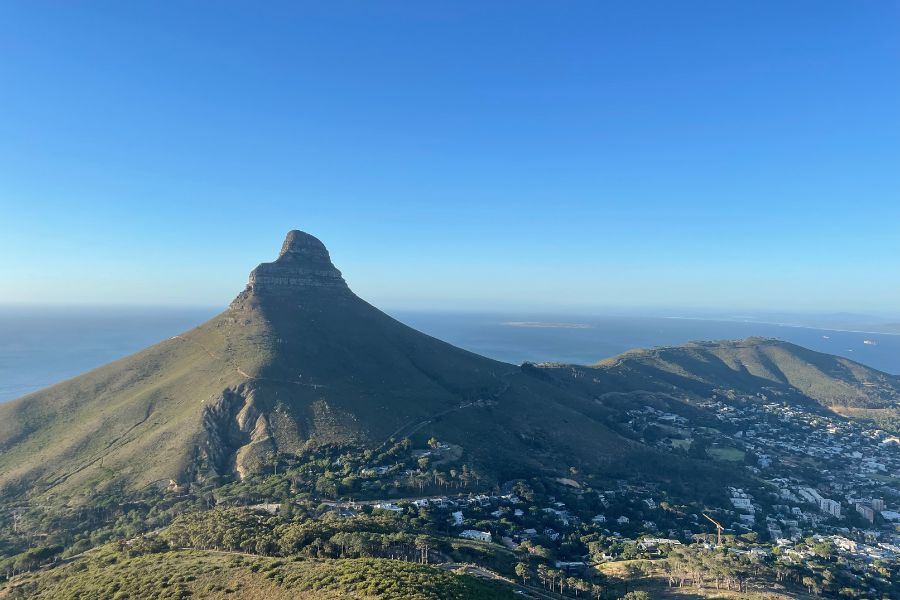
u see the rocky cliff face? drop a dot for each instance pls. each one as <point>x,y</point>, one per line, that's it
<point>226,427</point>
<point>303,262</point>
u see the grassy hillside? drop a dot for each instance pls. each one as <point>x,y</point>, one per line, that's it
<point>656,585</point>
<point>136,417</point>
<point>107,574</point>
<point>751,366</point>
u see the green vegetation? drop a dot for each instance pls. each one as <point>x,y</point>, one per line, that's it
<point>326,552</point>
<point>887,419</point>
<point>726,454</point>
<point>109,573</point>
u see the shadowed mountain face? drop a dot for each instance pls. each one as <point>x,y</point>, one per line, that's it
<point>298,361</point>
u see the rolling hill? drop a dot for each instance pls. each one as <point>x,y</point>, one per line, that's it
<point>754,366</point>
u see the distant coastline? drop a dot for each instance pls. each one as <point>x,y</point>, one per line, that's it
<point>546,325</point>
<point>874,331</point>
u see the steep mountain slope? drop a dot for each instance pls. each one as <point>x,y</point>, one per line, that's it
<point>296,361</point>
<point>752,366</point>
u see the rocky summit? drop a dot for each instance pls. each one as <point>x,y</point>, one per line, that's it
<point>303,262</point>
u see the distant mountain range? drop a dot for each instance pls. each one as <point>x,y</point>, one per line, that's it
<point>298,362</point>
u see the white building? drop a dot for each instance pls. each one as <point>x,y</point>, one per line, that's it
<point>810,495</point>
<point>866,511</point>
<point>832,507</point>
<point>472,534</point>
<point>649,542</point>
<point>741,502</point>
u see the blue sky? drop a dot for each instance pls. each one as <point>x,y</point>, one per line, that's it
<point>565,155</point>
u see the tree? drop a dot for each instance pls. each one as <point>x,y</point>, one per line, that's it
<point>523,491</point>
<point>146,545</point>
<point>543,574</point>
<point>632,570</point>
<point>422,545</point>
<point>35,557</point>
<point>824,549</point>
<point>522,571</point>
<point>349,483</point>
<point>811,584</point>
<point>579,585</point>
<point>286,510</point>
<point>637,595</point>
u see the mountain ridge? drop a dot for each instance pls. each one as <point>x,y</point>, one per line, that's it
<point>829,380</point>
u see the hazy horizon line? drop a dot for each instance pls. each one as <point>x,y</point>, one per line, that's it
<point>732,313</point>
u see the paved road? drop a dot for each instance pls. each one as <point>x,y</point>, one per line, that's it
<point>352,503</point>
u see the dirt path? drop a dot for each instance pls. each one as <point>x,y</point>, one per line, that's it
<point>240,371</point>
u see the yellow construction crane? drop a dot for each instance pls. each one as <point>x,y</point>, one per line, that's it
<point>719,528</point>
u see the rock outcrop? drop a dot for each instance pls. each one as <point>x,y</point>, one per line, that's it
<point>303,262</point>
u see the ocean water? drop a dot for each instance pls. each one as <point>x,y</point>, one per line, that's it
<point>42,346</point>
<point>588,339</point>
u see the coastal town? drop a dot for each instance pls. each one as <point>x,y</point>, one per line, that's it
<point>813,501</point>
<point>820,485</point>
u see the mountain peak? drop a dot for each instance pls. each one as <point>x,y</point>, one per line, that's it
<point>303,263</point>
<point>302,243</point>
